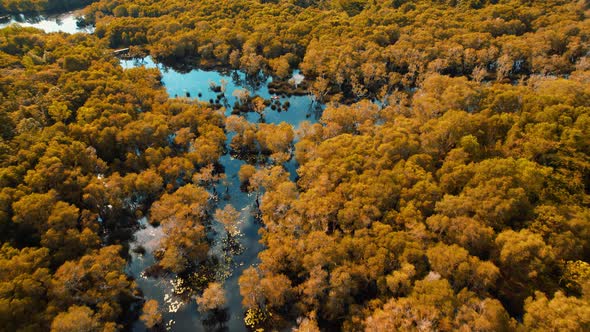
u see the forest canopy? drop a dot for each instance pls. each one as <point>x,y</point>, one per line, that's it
<point>39,6</point>
<point>412,216</point>
<point>85,148</point>
<point>445,186</point>
<point>357,49</point>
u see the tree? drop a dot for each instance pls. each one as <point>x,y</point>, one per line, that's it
<point>63,236</point>
<point>462,270</point>
<point>350,119</point>
<point>250,288</point>
<point>443,206</point>
<point>276,290</point>
<point>245,174</point>
<point>561,313</point>
<point>229,218</point>
<point>307,324</point>
<point>482,315</point>
<point>59,112</point>
<point>96,280</point>
<point>400,281</point>
<point>84,147</point>
<point>275,140</point>
<point>281,66</point>
<point>576,277</point>
<point>24,277</point>
<point>213,297</point>
<point>242,95</point>
<point>528,261</point>
<point>428,307</point>
<point>151,315</point>
<point>258,105</point>
<point>148,185</point>
<point>32,211</point>
<point>79,319</point>
<point>463,231</point>
<point>181,215</point>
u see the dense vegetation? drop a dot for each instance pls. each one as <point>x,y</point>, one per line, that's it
<point>37,6</point>
<point>356,48</point>
<point>457,208</point>
<point>458,201</point>
<point>85,148</point>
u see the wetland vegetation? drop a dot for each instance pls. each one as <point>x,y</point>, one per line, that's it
<point>296,165</point>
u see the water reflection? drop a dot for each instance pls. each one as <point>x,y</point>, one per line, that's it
<point>196,83</point>
<point>216,320</point>
<point>231,254</point>
<point>65,22</point>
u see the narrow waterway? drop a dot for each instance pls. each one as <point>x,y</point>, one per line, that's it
<point>180,313</point>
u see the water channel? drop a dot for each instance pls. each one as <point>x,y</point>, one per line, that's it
<point>184,316</point>
<point>179,313</point>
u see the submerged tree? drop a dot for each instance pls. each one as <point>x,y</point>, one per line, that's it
<point>213,297</point>
<point>229,218</point>
<point>151,315</point>
<point>181,215</point>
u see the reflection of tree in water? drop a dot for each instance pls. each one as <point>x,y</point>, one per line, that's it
<point>182,67</point>
<point>138,62</point>
<point>32,19</point>
<point>251,82</point>
<point>223,257</point>
<point>216,320</point>
<point>315,109</point>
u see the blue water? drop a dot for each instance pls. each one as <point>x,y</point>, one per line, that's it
<point>198,81</point>
<point>195,85</point>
